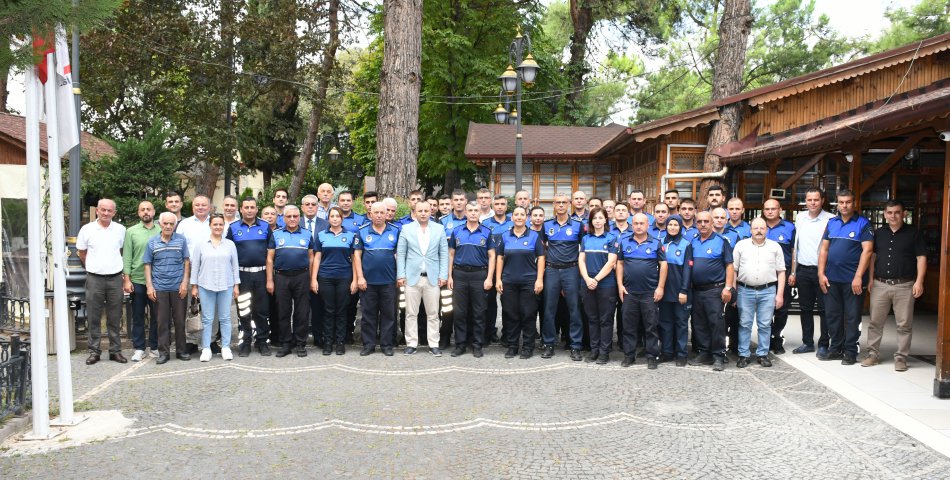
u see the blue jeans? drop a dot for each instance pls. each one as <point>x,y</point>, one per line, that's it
<point>556,280</point>
<point>215,303</point>
<point>139,301</point>
<point>843,315</point>
<point>757,305</point>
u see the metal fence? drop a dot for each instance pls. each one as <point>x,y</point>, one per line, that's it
<point>14,312</point>
<point>14,376</point>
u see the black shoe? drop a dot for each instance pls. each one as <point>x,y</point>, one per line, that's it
<point>743,362</point>
<point>651,363</point>
<point>665,358</point>
<point>459,351</point>
<point>215,348</point>
<point>602,359</point>
<point>409,351</point>
<point>718,364</point>
<point>327,349</point>
<point>628,360</point>
<point>340,348</point>
<point>301,351</point>
<point>118,357</point>
<point>162,359</point>
<point>548,351</point>
<point>183,356</point>
<point>848,360</point>
<point>244,349</point>
<point>191,348</point>
<point>388,351</point>
<point>765,362</point>
<point>778,349</point>
<point>92,359</point>
<point>477,353</point>
<point>367,350</point>
<point>592,357</point>
<point>576,355</point>
<point>526,354</point>
<point>804,349</point>
<point>264,349</point>
<point>283,352</point>
<point>833,356</point>
<point>512,352</point>
<point>435,352</point>
<point>702,359</point>
<point>680,361</point>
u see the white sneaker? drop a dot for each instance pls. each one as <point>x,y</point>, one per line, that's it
<point>153,352</point>
<point>137,356</point>
<point>226,353</point>
<point>205,354</point>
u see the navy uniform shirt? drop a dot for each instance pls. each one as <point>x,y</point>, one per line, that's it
<point>616,231</point>
<point>651,220</point>
<point>689,233</point>
<point>336,253</point>
<point>641,263</point>
<point>784,234</point>
<point>451,222</point>
<point>379,253</point>
<point>521,256</point>
<point>581,218</point>
<point>679,269</point>
<point>597,249</point>
<point>659,233</point>
<point>400,222</point>
<point>844,247</point>
<point>730,235</point>
<point>471,247</point>
<point>280,221</point>
<point>353,222</point>
<point>250,241</point>
<point>710,258</point>
<point>496,227</point>
<point>743,231</point>
<point>563,240</point>
<point>291,249</point>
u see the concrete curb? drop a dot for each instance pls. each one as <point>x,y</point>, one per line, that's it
<point>14,426</point>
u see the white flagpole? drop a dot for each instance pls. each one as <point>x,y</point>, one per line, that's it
<point>60,310</point>
<point>39,369</point>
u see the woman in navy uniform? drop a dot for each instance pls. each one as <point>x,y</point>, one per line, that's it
<point>331,275</point>
<point>519,277</point>
<point>675,306</point>
<point>596,262</point>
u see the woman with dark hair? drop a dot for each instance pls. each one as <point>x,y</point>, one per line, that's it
<point>331,275</point>
<point>214,280</point>
<point>674,307</point>
<point>596,261</point>
<point>519,278</point>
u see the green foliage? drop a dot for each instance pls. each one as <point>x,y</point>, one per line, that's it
<point>142,169</point>
<point>928,18</point>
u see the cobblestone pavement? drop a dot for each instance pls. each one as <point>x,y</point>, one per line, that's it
<point>427,417</point>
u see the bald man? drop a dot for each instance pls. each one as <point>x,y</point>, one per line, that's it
<point>760,284</point>
<point>325,195</point>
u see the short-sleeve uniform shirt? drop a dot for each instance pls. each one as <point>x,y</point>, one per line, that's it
<point>563,240</point>
<point>291,249</point>
<point>844,247</point>
<point>471,246</point>
<point>710,258</point>
<point>521,256</point>
<point>250,241</point>
<point>336,253</point>
<point>641,263</point>
<point>379,253</point>
<point>597,249</point>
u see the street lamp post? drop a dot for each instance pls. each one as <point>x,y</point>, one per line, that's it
<point>511,86</point>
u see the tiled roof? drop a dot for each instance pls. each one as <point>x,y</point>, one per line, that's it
<point>539,141</point>
<point>13,128</point>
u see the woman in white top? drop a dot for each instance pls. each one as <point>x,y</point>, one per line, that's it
<point>214,280</point>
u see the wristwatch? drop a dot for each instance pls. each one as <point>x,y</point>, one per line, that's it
<point>732,290</point>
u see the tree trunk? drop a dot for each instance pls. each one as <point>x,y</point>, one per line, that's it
<point>4,76</point>
<point>582,20</point>
<point>397,124</point>
<point>207,180</point>
<point>316,113</point>
<point>727,81</point>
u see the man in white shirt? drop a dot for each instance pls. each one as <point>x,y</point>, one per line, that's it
<point>230,208</point>
<point>760,274</point>
<point>197,230</point>
<point>810,226</point>
<point>99,245</point>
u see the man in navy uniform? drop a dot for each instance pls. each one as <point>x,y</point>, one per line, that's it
<point>660,213</point>
<point>375,261</point>
<point>712,274</point>
<point>289,253</point>
<point>843,260</point>
<point>457,217</point>
<point>498,223</point>
<point>251,237</point>
<point>471,270</point>
<point>782,232</point>
<point>561,274</point>
<point>641,266</point>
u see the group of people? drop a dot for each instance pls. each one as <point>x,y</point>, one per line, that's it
<point>597,267</point>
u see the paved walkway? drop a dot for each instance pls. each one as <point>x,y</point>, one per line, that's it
<point>426,417</point>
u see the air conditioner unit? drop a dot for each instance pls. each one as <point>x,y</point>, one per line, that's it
<point>777,193</point>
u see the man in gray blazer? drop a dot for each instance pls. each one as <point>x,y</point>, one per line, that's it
<point>422,266</point>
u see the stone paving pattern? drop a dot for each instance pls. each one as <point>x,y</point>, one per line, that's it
<point>426,417</point>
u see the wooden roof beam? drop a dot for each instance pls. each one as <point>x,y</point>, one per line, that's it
<point>891,160</point>
<point>801,171</point>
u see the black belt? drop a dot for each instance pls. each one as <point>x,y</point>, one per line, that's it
<point>758,287</point>
<point>894,281</point>
<point>424,274</point>
<point>708,286</point>
<point>291,272</point>
<point>809,267</point>
<point>469,268</point>
<point>560,266</point>
<point>106,275</point>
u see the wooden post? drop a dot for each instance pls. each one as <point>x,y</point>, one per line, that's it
<point>942,372</point>
<point>855,175</point>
